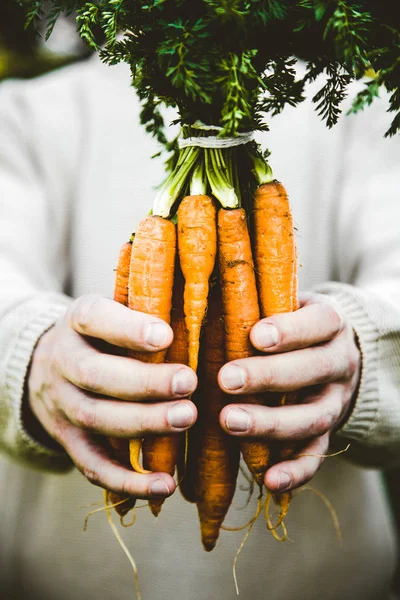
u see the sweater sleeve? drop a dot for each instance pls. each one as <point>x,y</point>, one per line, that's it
<point>33,257</point>
<point>367,285</point>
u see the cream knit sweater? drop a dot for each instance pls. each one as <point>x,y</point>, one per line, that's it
<point>75,177</point>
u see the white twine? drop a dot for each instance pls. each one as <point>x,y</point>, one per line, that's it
<point>214,141</point>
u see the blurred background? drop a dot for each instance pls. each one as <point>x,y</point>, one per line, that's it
<point>24,53</point>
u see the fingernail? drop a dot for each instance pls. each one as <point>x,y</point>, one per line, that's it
<point>156,334</point>
<point>237,419</point>
<point>284,481</point>
<point>266,335</point>
<point>233,377</point>
<point>183,382</point>
<point>180,415</point>
<point>159,488</point>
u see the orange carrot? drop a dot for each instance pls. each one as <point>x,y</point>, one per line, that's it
<point>151,280</point>
<point>275,250</point>
<point>241,312</point>
<point>152,272</point>
<point>120,451</point>
<point>187,461</point>
<point>120,448</point>
<point>178,352</point>
<point>217,462</point>
<point>197,243</point>
<point>276,264</point>
<point>160,453</point>
<point>122,274</point>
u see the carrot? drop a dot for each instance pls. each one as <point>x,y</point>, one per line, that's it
<point>160,453</point>
<point>241,312</point>
<point>275,250</point>
<point>178,353</point>
<point>276,264</point>
<point>217,462</point>
<point>197,243</point>
<point>120,451</point>
<point>187,461</point>
<point>151,280</point>
<point>122,273</point>
<point>152,273</point>
<point>120,448</point>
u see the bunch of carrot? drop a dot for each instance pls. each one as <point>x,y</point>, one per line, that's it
<point>212,273</point>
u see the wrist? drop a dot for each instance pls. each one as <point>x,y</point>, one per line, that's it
<point>355,387</point>
<point>31,424</point>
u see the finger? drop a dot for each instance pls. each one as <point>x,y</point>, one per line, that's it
<point>94,462</point>
<point>122,377</point>
<point>286,372</point>
<point>315,322</point>
<point>293,473</point>
<point>295,422</point>
<point>123,419</point>
<point>99,317</point>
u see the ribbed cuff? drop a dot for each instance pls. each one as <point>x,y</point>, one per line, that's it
<point>352,304</point>
<point>36,316</point>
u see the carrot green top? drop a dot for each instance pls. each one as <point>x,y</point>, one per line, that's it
<point>232,62</point>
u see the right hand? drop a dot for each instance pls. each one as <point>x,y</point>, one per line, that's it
<point>81,390</point>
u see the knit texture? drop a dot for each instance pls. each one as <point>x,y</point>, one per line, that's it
<point>20,332</point>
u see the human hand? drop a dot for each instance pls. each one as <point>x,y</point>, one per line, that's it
<point>80,390</point>
<point>313,350</point>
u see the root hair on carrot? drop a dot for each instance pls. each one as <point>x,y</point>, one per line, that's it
<point>102,509</point>
<point>329,506</point>
<point>122,544</point>
<point>326,455</point>
<point>243,488</point>
<point>270,526</point>
<point>131,522</point>
<point>250,492</point>
<point>238,551</point>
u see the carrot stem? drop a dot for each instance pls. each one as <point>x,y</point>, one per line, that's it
<point>174,183</point>
<point>218,177</point>
<point>261,169</point>
<point>198,183</point>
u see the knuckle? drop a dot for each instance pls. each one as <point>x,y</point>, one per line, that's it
<point>58,430</point>
<point>87,373</point>
<point>288,327</point>
<point>323,423</point>
<point>353,360</point>
<point>141,425</point>
<point>325,363</point>
<point>80,313</point>
<point>125,488</point>
<point>271,372</point>
<point>334,318</point>
<point>274,426</point>
<point>148,380</point>
<point>53,398</point>
<point>85,416</point>
<point>92,475</point>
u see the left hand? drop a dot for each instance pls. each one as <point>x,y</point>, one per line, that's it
<point>314,350</point>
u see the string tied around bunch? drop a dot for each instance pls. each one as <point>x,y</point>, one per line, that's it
<point>214,141</point>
